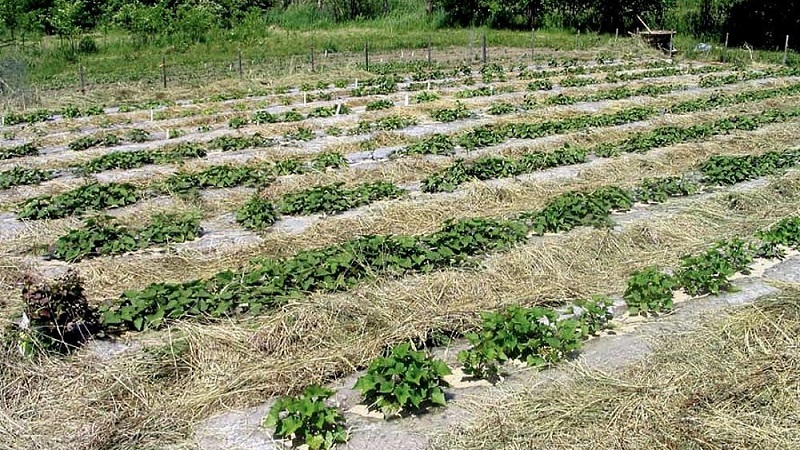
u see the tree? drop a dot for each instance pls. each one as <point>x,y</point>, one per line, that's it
<point>10,15</point>
<point>66,17</point>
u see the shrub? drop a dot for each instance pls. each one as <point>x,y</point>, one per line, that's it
<point>56,315</point>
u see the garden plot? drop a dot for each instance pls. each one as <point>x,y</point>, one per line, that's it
<point>284,253</point>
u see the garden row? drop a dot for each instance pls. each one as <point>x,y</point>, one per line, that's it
<point>407,381</point>
<point>96,196</point>
<point>339,267</point>
<point>492,167</point>
<point>104,236</point>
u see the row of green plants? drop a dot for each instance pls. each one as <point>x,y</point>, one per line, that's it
<point>491,167</point>
<point>42,115</point>
<point>293,115</point>
<point>19,151</point>
<point>405,380</point>
<point>389,123</point>
<point>19,176</point>
<point>339,267</point>
<point>487,135</point>
<point>96,196</point>
<point>260,213</point>
<point>528,73</point>
<point>108,140</point>
<point>139,158</point>
<point>103,235</point>
<point>651,291</point>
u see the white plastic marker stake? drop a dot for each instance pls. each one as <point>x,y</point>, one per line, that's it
<point>304,98</point>
<point>338,108</point>
<point>356,83</point>
<point>151,115</point>
<point>429,85</point>
<point>406,99</point>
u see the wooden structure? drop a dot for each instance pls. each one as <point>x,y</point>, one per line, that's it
<point>660,39</point>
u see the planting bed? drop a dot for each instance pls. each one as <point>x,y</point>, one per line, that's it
<point>419,243</point>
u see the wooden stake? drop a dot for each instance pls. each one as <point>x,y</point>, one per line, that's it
<point>483,42</point>
<point>313,69</point>
<point>726,39</point>
<point>164,71</point>
<point>366,55</point>
<point>786,51</point>
<point>429,50</point>
<point>241,72</point>
<point>83,81</point>
<point>616,35</point>
<point>533,38</point>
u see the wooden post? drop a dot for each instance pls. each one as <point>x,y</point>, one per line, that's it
<point>241,72</point>
<point>483,43</point>
<point>726,39</point>
<point>578,40</point>
<point>786,51</point>
<point>533,48</point>
<point>366,55</point>
<point>164,71</point>
<point>313,69</point>
<point>429,51</point>
<point>616,35</point>
<point>671,46</point>
<point>83,80</point>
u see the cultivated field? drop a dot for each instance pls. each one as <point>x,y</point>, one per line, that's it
<point>567,215</point>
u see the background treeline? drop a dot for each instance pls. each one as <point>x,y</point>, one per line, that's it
<point>760,23</point>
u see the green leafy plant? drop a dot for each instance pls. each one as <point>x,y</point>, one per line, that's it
<point>238,122</point>
<point>379,104</point>
<point>709,272</point>
<point>138,135</point>
<point>658,190</point>
<point>307,420</point>
<point>649,291</point>
<point>19,176</point>
<point>257,214</point>
<point>19,151</point>
<point>292,116</point>
<point>426,97</point>
<point>334,198</point>
<point>540,85</point>
<point>436,144</point>
<point>90,197</point>
<point>459,112</point>
<point>533,335</point>
<point>501,108</point>
<point>404,381</point>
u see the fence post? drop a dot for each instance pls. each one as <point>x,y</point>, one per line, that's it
<point>83,80</point>
<point>616,35</point>
<point>726,39</point>
<point>241,72</point>
<point>578,40</point>
<point>533,48</point>
<point>786,51</point>
<point>313,69</point>
<point>483,43</point>
<point>429,51</point>
<point>164,71</point>
<point>366,55</point>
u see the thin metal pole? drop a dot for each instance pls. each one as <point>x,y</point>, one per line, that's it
<point>313,68</point>
<point>366,55</point>
<point>83,80</point>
